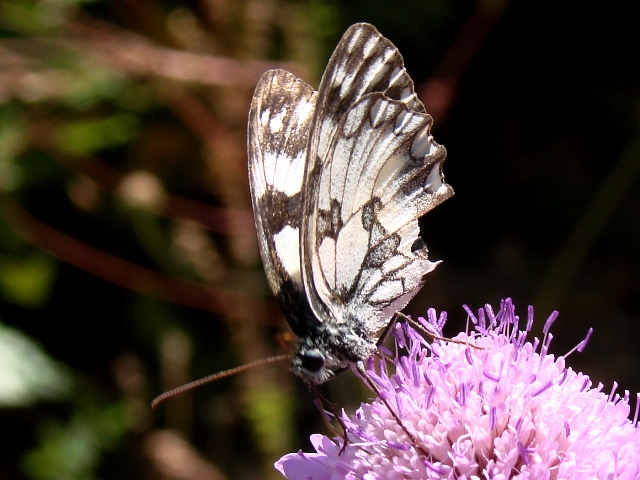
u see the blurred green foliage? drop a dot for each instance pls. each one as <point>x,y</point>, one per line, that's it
<point>128,259</point>
<point>74,449</point>
<point>83,137</point>
<point>27,281</point>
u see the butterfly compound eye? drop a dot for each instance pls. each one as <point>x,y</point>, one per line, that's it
<point>312,361</point>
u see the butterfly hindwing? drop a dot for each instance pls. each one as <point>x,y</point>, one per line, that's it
<point>384,172</point>
<point>373,170</point>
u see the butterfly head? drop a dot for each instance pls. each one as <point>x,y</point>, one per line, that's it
<point>315,364</point>
<point>329,349</point>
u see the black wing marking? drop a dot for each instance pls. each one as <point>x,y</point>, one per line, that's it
<point>279,124</point>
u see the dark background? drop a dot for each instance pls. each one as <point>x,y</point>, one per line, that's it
<point>128,259</point>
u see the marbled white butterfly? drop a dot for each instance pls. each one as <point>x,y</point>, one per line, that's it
<point>339,178</point>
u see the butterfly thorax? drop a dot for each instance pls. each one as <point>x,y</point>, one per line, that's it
<point>330,348</point>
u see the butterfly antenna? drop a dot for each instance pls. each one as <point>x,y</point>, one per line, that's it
<point>217,376</point>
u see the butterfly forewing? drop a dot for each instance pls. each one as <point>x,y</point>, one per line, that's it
<point>279,125</point>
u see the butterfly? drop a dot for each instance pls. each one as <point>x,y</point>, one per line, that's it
<point>339,178</point>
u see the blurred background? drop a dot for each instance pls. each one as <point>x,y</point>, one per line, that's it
<point>128,257</point>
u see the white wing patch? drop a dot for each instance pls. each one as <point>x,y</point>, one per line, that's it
<point>287,245</point>
<point>283,177</point>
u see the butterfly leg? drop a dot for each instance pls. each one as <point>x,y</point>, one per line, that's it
<point>387,330</point>
<point>418,326</point>
<point>322,404</point>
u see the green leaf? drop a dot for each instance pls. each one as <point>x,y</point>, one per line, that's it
<point>73,450</point>
<point>87,136</point>
<point>27,281</point>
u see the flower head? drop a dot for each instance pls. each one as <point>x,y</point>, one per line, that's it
<point>508,409</point>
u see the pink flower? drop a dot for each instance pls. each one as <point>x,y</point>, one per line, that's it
<point>507,410</point>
